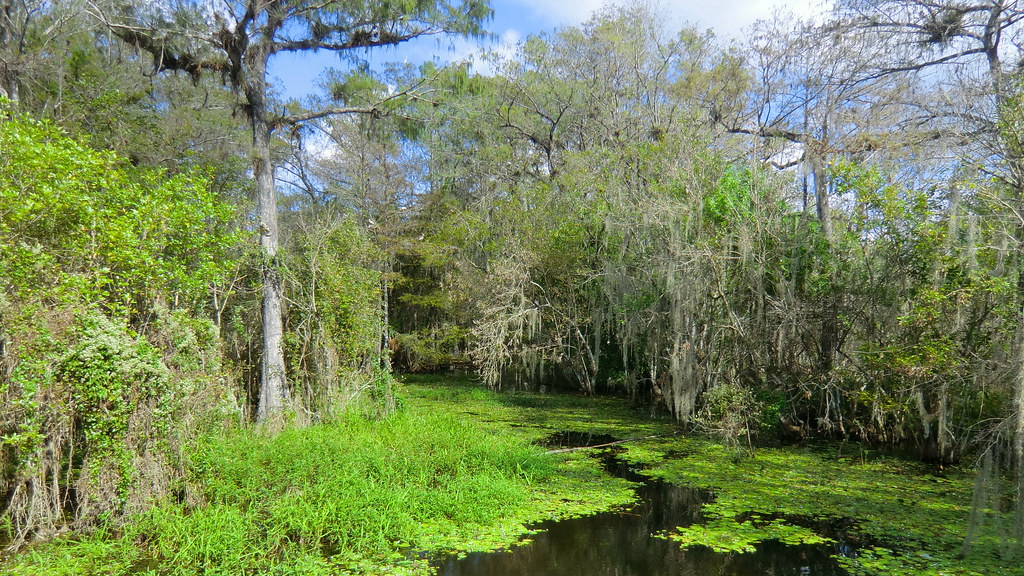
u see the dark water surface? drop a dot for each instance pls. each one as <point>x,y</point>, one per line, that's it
<point>622,544</point>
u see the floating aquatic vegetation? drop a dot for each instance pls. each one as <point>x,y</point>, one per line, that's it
<point>885,516</point>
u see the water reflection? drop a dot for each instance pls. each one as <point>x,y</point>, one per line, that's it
<point>621,544</point>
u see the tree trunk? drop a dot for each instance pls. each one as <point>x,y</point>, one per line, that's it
<point>385,332</point>
<point>273,388</point>
<point>8,83</point>
<point>821,200</point>
<point>8,73</point>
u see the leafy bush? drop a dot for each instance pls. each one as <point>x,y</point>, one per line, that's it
<point>95,396</point>
<point>731,412</point>
<point>80,224</point>
<point>121,396</point>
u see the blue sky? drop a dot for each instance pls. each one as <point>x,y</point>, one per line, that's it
<point>514,20</point>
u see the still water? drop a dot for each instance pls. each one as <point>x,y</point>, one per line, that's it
<point>623,544</point>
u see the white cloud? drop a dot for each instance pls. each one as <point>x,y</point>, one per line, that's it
<point>511,37</point>
<point>726,17</point>
<point>506,47</point>
<point>463,49</point>
<point>560,12</point>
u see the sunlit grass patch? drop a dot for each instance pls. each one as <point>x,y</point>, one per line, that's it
<point>535,416</point>
<point>456,470</point>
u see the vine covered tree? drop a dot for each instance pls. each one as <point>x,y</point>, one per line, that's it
<point>969,57</point>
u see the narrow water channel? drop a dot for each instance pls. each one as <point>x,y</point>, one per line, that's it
<point>623,543</point>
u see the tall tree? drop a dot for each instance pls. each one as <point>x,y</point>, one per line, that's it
<point>15,19</point>
<point>803,109</point>
<point>964,56</point>
<point>592,131</point>
<point>31,31</point>
<point>237,39</point>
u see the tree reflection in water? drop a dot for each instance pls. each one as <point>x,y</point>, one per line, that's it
<point>622,544</point>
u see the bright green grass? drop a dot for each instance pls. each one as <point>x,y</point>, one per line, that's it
<point>457,469</point>
<point>535,416</point>
<point>915,521</point>
<point>445,474</point>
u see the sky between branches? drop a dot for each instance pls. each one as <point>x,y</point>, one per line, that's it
<point>295,75</point>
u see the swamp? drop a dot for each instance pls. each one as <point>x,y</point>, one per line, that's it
<point>616,294</point>
<point>463,481</point>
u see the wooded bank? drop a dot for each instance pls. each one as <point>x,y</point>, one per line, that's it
<point>818,225</point>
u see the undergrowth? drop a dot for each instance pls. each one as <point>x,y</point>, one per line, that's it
<point>356,495</point>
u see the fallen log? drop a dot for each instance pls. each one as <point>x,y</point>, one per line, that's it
<point>608,444</point>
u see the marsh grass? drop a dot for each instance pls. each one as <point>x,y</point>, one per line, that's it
<point>355,489</point>
<point>356,495</point>
<point>460,468</point>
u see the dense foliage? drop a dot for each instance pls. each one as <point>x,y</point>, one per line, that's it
<point>354,494</point>
<point>126,327</point>
<point>667,256</point>
<point>761,238</point>
<point>104,355</point>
